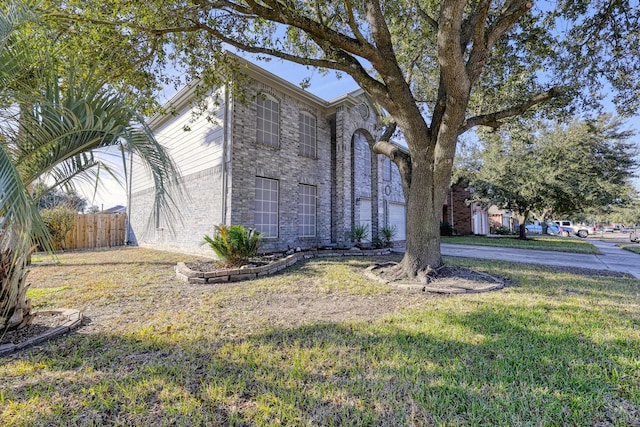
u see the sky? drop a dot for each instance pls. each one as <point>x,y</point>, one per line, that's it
<point>327,86</point>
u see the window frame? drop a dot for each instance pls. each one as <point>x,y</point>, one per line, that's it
<point>313,207</point>
<point>303,127</point>
<point>264,103</point>
<point>260,225</point>
<point>387,174</point>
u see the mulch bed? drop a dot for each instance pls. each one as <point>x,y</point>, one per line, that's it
<point>40,324</point>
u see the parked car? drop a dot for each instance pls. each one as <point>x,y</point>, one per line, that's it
<point>579,230</point>
<point>634,234</point>
<point>536,228</point>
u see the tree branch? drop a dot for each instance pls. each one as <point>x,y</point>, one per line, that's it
<point>425,16</point>
<point>400,157</point>
<point>352,22</point>
<point>493,120</point>
<point>452,67</point>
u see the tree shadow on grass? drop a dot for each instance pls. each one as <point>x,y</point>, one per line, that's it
<point>482,367</point>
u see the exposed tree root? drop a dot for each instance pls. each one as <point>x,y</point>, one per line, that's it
<point>442,279</point>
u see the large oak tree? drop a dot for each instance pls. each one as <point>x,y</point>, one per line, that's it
<point>439,68</point>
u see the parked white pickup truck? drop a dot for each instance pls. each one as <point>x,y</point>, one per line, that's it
<point>579,230</point>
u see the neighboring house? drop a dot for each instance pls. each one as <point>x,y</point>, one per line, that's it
<point>465,218</point>
<point>502,218</point>
<point>294,166</point>
<point>117,209</point>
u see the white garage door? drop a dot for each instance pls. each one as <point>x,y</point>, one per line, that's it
<point>397,218</point>
<point>365,215</point>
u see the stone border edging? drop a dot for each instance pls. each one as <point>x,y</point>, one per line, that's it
<point>185,274</point>
<point>74,319</point>
<point>498,284</point>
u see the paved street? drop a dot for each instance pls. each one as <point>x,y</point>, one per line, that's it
<point>612,258</point>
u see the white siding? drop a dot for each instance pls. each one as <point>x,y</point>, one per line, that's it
<point>193,150</point>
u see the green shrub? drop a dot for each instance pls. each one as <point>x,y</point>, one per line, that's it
<point>446,229</point>
<point>234,244</point>
<point>502,231</point>
<point>59,221</point>
<point>359,232</point>
<point>388,233</point>
<point>377,243</point>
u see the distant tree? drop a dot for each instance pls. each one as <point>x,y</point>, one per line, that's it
<point>93,209</point>
<point>555,170</point>
<point>58,197</point>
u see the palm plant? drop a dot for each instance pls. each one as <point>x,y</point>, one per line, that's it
<point>234,245</point>
<point>388,233</point>
<point>52,127</point>
<point>359,233</point>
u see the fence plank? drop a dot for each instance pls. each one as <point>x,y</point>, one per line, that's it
<point>96,231</point>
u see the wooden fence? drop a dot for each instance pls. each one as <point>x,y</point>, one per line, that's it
<point>97,231</point>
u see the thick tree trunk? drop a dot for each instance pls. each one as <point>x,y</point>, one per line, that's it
<point>423,228</point>
<point>425,195</point>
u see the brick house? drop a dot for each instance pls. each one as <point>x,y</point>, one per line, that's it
<point>465,218</point>
<point>294,166</point>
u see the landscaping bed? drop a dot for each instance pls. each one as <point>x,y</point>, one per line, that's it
<point>208,272</point>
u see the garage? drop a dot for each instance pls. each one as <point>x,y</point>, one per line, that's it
<point>397,218</point>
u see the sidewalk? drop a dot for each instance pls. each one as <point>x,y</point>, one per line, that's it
<point>612,258</point>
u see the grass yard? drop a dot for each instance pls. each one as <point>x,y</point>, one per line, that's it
<point>320,345</point>
<point>635,248</point>
<point>545,243</point>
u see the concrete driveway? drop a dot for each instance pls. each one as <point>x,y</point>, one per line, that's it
<point>612,258</point>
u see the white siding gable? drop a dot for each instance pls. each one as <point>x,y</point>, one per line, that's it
<point>193,150</point>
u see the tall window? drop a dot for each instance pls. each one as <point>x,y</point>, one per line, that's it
<point>306,210</point>
<point>266,207</point>
<point>386,169</point>
<point>307,126</point>
<point>268,120</point>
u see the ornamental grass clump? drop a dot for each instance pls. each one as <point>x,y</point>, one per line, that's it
<point>234,245</point>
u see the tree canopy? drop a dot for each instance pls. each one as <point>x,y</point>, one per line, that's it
<point>439,68</point>
<point>555,170</point>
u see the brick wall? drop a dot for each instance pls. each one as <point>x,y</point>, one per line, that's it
<point>200,211</point>
<point>283,163</point>
<point>458,213</point>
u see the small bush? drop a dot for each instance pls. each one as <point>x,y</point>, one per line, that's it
<point>388,233</point>
<point>446,229</point>
<point>377,243</point>
<point>234,245</point>
<point>359,232</point>
<point>59,221</point>
<point>502,231</point>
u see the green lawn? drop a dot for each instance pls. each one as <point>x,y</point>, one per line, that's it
<point>546,243</point>
<point>320,345</point>
<point>635,248</point>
